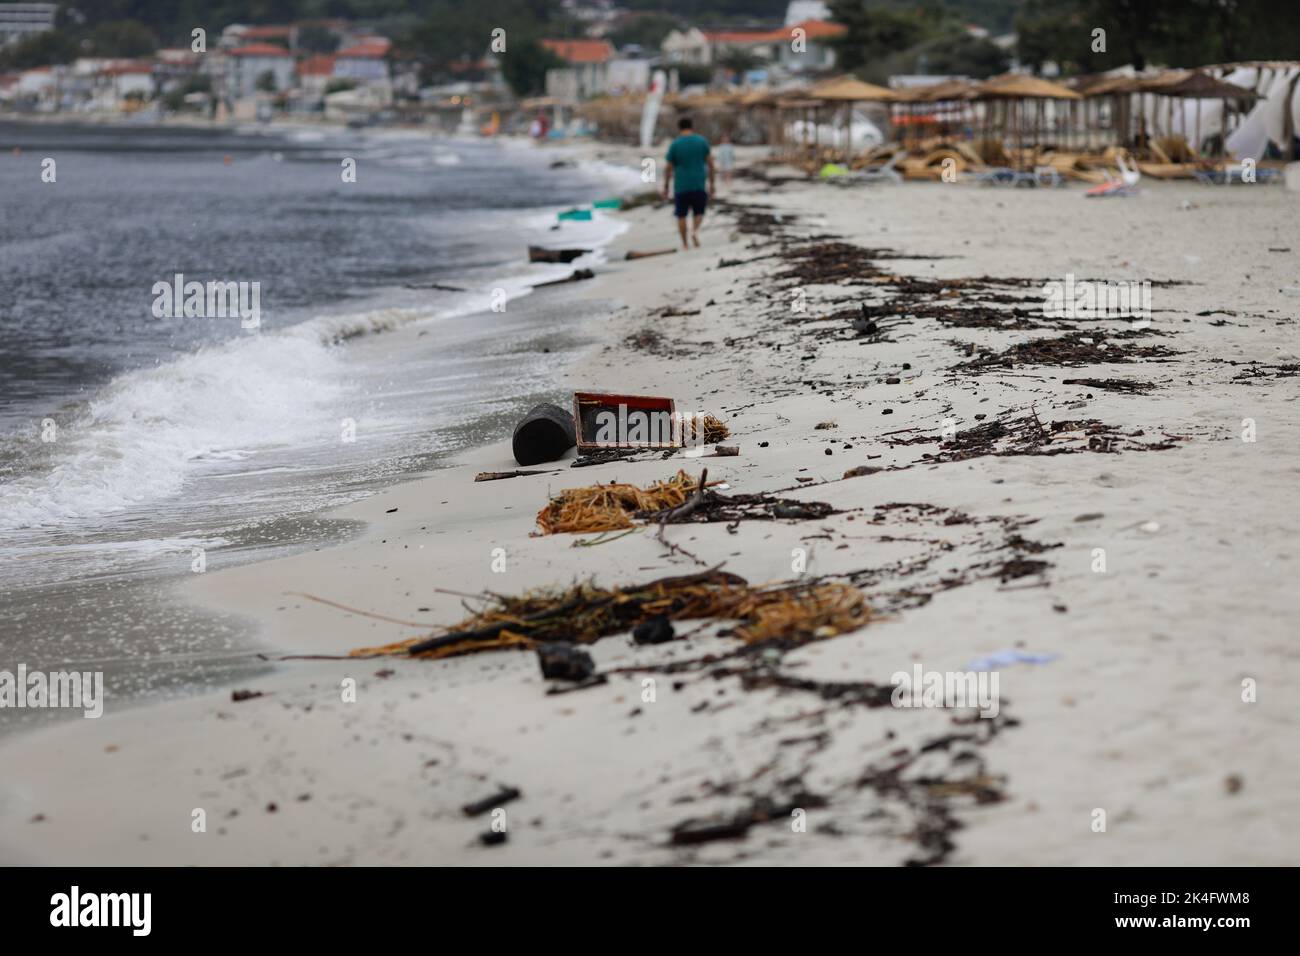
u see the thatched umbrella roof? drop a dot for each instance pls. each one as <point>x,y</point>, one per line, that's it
<point>849,89</point>
<point>1101,85</point>
<point>936,92</point>
<point>701,101</point>
<point>1194,85</point>
<point>797,103</point>
<point>1017,86</point>
<point>757,98</point>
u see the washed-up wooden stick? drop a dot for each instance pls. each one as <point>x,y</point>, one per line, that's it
<point>601,539</point>
<point>499,475</point>
<point>438,286</point>
<point>633,254</point>
<point>357,610</point>
<point>682,512</point>
<point>493,631</point>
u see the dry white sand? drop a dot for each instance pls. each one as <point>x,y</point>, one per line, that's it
<point>1140,714</point>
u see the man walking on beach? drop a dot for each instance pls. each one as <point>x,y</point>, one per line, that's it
<point>688,158</point>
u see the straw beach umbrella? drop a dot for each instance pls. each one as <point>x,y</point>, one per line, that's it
<point>1195,85</point>
<point>848,90</point>
<point>1013,90</point>
<point>936,98</point>
<point>1116,90</point>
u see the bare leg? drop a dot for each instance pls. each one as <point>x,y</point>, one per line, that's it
<point>696,222</point>
<point>681,229</point>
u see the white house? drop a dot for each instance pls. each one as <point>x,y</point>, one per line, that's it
<point>247,63</point>
<point>699,48</point>
<point>588,61</point>
<point>366,61</point>
<point>686,47</point>
<point>815,50</point>
<point>129,79</point>
<point>627,76</point>
<point>239,34</point>
<point>36,81</point>
<point>315,73</point>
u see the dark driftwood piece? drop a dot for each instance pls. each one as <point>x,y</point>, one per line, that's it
<point>499,475</point>
<point>633,254</point>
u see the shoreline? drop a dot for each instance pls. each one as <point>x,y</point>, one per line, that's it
<point>1137,711</point>
<point>202,650</point>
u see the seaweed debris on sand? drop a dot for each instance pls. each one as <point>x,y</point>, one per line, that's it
<point>795,612</point>
<point>618,506</point>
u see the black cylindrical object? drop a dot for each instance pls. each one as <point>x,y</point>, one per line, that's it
<point>544,434</point>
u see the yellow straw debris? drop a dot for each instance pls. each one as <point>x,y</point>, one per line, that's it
<point>610,507</point>
<point>794,612</point>
<point>715,430</point>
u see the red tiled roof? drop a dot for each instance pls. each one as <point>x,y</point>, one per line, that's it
<point>741,36</point>
<point>265,33</point>
<point>581,51</point>
<point>260,49</point>
<point>320,65</point>
<point>813,30</point>
<point>177,55</point>
<point>373,48</point>
<point>121,69</point>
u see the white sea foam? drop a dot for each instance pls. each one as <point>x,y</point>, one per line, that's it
<point>146,431</point>
<point>139,437</point>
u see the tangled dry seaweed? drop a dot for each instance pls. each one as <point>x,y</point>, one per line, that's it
<point>617,506</point>
<point>796,613</point>
<point>611,507</point>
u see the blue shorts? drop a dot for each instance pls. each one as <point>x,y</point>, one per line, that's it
<point>694,200</point>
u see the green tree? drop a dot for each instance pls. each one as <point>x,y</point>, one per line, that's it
<point>874,33</point>
<point>265,81</point>
<point>42,49</point>
<point>1166,32</point>
<point>693,74</point>
<point>317,40</point>
<point>524,66</point>
<point>738,60</point>
<point>123,38</point>
<point>959,54</point>
<point>646,30</point>
<point>1047,31</point>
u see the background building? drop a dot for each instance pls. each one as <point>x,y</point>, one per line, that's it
<point>21,20</point>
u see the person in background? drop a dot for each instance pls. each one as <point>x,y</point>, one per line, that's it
<point>726,159</point>
<point>688,161</point>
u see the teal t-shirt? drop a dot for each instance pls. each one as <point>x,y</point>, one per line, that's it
<point>688,154</point>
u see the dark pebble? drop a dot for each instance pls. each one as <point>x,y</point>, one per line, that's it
<point>657,630</point>
<point>565,662</point>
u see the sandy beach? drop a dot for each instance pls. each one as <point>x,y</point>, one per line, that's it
<point>1125,553</point>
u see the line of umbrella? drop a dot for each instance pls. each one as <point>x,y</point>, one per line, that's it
<point>1020,110</point>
